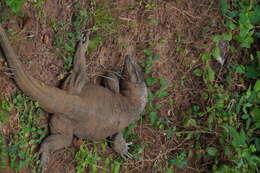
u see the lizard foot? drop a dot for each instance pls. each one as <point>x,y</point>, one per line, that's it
<point>45,157</point>
<point>120,146</point>
<point>9,71</point>
<point>125,154</point>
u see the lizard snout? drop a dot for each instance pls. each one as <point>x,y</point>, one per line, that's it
<point>133,71</point>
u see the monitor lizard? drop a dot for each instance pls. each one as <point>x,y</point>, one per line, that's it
<point>80,108</point>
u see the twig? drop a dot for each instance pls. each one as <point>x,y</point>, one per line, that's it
<point>185,13</point>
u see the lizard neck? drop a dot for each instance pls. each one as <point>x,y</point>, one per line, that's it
<point>136,95</point>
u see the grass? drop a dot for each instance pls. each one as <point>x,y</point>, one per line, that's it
<point>65,41</point>
<point>67,34</point>
<point>234,112</point>
<point>21,145</point>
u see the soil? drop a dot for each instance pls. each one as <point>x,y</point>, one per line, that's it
<point>176,30</point>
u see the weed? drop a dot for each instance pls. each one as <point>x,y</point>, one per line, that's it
<point>21,144</point>
<point>66,41</point>
<point>15,5</point>
<point>150,5</point>
<point>234,113</point>
<point>103,19</point>
<point>151,109</point>
<point>86,158</point>
<point>5,108</point>
<point>179,161</point>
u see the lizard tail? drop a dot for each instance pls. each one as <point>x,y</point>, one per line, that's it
<point>51,99</point>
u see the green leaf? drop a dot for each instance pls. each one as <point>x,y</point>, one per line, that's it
<point>256,114</point>
<point>257,86</point>
<point>151,81</point>
<point>255,17</point>
<point>231,25</point>
<point>205,57</point>
<point>245,116</point>
<point>216,52</point>
<point>169,170</point>
<point>210,74</point>
<point>224,7</point>
<point>153,117</point>
<point>190,123</point>
<point>258,58</point>
<point>212,151</point>
<point>148,52</point>
<point>228,36</point>
<point>239,139</point>
<point>157,57</point>
<point>252,72</point>
<point>240,69</point>
<point>216,38</point>
<point>169,132</point>
<point>15,5</point>
<point>198,72</point>
<point>161,93</point>
<point>182,164</point>
<point>163,83</point>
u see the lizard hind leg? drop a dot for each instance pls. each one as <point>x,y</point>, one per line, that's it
<point>61,137</point>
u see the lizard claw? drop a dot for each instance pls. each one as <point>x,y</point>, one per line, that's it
<point>9,71</point>
<point>125,154</point>
<point>85,38</point>
<point>45,157</point>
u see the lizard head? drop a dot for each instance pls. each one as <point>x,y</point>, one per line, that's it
<point>134,85</point>
<point>133,71</point>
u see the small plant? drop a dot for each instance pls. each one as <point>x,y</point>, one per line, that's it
<point>234,114</point>
<point>15,5</point>
<point>161,93</point>
<point>103,19</point>
<point>5,108</point>
<point>22,143</point>
<point>179,161</point>
<point>66,41</point>
<point>86,158</point>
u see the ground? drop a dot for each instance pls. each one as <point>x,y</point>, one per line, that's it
<point>177,31</point>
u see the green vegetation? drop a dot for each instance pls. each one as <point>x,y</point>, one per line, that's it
<point>85,158</point>
<point>68,34</point>
<point>5,109</point>
<point>234,115</point>
<point>152,108</point>
<point>88,156</point>
<point>103,21</point>
<point>15,5</point>
<point>223,131</point>
<point>20,145</point>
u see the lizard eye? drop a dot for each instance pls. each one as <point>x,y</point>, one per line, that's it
<point>133,71</point>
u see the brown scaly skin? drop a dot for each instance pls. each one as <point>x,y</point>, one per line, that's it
<point>80,108</point>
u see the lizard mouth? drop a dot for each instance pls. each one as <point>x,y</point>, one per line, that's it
<point>133,71</point>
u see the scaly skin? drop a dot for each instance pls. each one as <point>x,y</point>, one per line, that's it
<point>82,109</point>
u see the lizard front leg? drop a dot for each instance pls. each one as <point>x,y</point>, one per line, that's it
<point>118,142</point>
<point>120,145</point>
<point>61,137</point>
